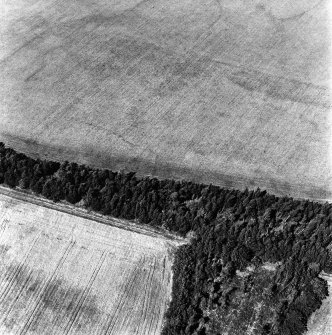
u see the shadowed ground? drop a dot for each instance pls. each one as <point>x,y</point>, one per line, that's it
<point>230,92</point>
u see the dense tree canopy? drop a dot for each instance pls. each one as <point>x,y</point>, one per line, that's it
<point>234,231</point>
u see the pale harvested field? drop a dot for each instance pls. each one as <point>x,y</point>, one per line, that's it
<point>320,322</point>
<point>232,92</point>
<point>63,274</point>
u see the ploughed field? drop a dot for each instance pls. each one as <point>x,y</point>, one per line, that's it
<point>231,92</point>
<point>64,274</point>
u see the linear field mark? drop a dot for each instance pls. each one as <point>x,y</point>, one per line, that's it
<point>45,288</point>
<point>15,271</point>
<point>85,293</point>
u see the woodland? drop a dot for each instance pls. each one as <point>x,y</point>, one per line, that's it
<point>220,277</point>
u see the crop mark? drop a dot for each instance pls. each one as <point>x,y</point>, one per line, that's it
<point>134,297</point>
<point>25,44</point>
<point>56,304</point>
<point>145,322</point>
<point>100,128</point>
<point>154,291</point>
<point>46,288</point>
<point>14,271</point>
<point>176,102</point>
<point>128,284</point>
<point>294,16</point>
<point>53,304</point>
<point>146,287</point>
<point>85,293</point>
<point>147,291</point>
<point>44,302</point>
<point>193,65</point>
<point>60,303</point>
<point>4,249</point>
<point>164,268</point>
<point>34,73</point>
<point>59,113</point>
<point>279,87</point>
<point>3,226</point>
<point>21,281</point>
<point>146,299</point>
<point>104,328</point>
<point>135,7</point>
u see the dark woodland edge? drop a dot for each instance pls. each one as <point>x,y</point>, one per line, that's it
<point>230,231</point>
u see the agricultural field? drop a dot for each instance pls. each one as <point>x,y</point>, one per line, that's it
<point>64,274</point>
<point>321,321</point>
<point>231,92</point>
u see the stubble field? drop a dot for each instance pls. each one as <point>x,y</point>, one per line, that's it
<point>231,92</point>
<point>63,274</point>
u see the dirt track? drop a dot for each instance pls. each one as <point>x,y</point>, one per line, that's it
<point>63,274</point>
<point>230,92</point>
<point>67,208</point>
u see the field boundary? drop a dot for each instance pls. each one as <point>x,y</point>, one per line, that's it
<point>23,195</point>
<point>145,168</point>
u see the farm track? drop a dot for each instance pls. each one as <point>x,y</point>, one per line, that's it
<point>70,209</point>
<point>57,280</point>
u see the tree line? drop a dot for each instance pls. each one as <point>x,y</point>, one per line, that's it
<point>232,230</point>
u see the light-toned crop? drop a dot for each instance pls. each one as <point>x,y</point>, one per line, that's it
<point>65,274</point>
<point>229,92</point>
